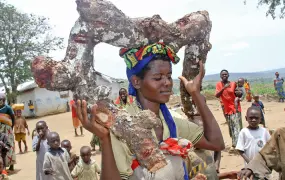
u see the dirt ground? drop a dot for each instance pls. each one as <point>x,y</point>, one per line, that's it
<point>62,123</point>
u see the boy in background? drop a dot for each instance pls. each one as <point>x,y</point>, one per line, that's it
<point>56,160</point>
<point>86,168</point>
<point>40,146</point>
<point>20,130</point>
<point>260,105</point>
<point>252,138</point>
<point>73,157</point>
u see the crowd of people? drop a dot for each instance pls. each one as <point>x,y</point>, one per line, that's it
<point>149,71</point>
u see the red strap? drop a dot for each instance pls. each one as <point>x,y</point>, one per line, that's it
<point>135,164</point>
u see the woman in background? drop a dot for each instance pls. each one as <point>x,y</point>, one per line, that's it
<point>278,85</point>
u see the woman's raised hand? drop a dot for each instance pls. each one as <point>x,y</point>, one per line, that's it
<point>90,124</point>
<point>195,84</point>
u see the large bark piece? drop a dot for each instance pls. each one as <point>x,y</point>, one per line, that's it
<point>100,21</point>
<point>193,53</point>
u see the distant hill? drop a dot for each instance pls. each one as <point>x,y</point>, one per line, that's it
<point>254,75</point>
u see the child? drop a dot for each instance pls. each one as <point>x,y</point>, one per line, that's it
<point>95,141</point>
<point>56,160</point>
<point>3,173</point>
<point>73,157</point>
<point>238,94</point>
<point>40,146</point>
<point>259,104</point>
<point>87,168</point>
<point>240,85</point>
<point>252,138</point>
<point>4,147</point>
<point>20,130</point>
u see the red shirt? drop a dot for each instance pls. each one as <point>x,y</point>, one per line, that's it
<point>228,97</point>
<point>73,109</point>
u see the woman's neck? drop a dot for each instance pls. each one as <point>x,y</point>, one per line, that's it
<point>225,82</point>
<point>146,104</point>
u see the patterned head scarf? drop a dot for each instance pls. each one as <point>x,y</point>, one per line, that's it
<point>137,58</point>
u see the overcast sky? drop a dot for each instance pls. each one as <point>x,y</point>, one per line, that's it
<point>243,38</point>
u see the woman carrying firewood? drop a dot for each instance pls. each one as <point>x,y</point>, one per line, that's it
<point>149,71</point>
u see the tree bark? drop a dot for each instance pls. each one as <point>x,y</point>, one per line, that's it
<point>101,21</point>
<point>193,53</point>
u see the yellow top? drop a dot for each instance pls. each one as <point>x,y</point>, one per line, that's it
<point>123,155</point>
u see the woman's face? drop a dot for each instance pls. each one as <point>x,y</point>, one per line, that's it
<point>224,75</point>
<point>156,86</point>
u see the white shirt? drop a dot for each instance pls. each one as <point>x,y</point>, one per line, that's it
<point>252,141</point>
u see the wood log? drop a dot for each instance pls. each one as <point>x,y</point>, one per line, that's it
<point>101,21</point>
<point>193,53</point>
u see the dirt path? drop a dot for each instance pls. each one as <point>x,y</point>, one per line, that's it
<point>26,163</point>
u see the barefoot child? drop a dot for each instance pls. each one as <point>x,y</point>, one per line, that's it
<point>56,160</point>
<point>259,104</point>
<point>238,99</point>
<point>86,168</point>
<point>40,146</point>
<point>73,157</point>
<point>252,138</point>
<point>20,130</point>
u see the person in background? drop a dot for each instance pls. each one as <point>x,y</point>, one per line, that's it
<point>238,94</point>
<point>73,157</point>
<point>20,130</point>
<point>86,168</point>
<point>271,157</point>
<point>240,85</point>
<point>252,138</point>
<point>225,90</point>
<point>75,120</point>
<point>248,90</point>
<point>278,85</point>
<point>95,141</point>
<point>260,105</point>
<point>32,108</point>
<point>7,120</point>
<point>40,146</point>
<point>5,146</point>
<point>124,99</point>
<point>56,159</point>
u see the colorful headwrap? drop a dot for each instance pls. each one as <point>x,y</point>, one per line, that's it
<point>136,59</point>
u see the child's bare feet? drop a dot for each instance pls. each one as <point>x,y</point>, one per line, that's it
<point>93,149</point>
<point>21,152</point>
<point>26,149</point>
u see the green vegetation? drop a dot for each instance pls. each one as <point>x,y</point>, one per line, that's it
<point>260,86</point>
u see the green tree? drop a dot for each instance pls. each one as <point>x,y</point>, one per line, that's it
<point>273,7</point>
<point>22,37</point>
